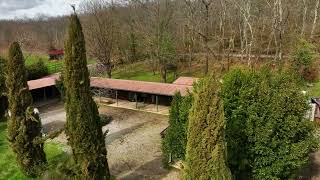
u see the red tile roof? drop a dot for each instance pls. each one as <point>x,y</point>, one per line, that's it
<point>117,84</point>
<point>140,86</point>
<point>43,82</point>
<point>185,81</point>
<point>56,52</point>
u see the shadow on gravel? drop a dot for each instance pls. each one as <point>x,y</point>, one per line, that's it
<point>53,126</point>
<point>150,170</point>
<point>120,134</point>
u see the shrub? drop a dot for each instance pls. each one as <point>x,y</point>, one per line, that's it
<point>37,70</point>
<point>175,140</point>
<point>267,134</point>
<point>303,61</point>
<point>59,85</point>
<point>105,119</point>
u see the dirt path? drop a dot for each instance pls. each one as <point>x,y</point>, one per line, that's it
<point>133,142</point>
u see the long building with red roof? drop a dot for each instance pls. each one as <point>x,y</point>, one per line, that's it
<point>125,89</point>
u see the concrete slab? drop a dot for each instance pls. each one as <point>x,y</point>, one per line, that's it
<point>144,107</point>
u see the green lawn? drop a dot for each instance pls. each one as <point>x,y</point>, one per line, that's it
<point>315,90</point>
<point>141,71</point>
<point>8,167</point>
<point>54,66</point>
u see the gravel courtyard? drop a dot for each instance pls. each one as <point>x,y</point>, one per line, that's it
<point>133,141</point>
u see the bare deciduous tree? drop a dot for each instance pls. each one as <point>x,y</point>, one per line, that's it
<point>100,32</point>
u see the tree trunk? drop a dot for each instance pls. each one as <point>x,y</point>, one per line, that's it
<point>315,18</point>
<point>304,17</point>
<point>206,39</point>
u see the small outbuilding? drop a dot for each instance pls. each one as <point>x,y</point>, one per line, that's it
<point>56,54</point>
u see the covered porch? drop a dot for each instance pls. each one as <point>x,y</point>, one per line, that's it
<point>134,105</point>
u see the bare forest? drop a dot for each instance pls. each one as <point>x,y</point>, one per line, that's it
<point>165,31</point>
<point>160,89</point>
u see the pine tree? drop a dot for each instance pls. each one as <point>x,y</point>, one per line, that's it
<point>83,122</point>
<point>205,156</point>
<point>23,125</point>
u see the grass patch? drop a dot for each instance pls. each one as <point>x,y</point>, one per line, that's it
<point>9,169</point>
<point>315,90</point>
<point>139,71</point>
<point>54,66</point>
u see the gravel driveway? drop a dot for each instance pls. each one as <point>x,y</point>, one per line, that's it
<point>133,142</point>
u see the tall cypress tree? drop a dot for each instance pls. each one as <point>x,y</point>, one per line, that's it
<point>23,125</point>
<point>83,122</point>
<point>175,140</point>
<point>205,156</point>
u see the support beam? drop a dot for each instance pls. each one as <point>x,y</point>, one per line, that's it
<point>136,97</point>
<point>44,94</point>
<point>157,103</point>
<point>117,97</point>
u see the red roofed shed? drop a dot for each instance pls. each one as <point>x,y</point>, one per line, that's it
<point>56,54</point>
<point>140,86</point>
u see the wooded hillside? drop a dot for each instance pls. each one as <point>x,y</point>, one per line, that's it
<point>130,30</point>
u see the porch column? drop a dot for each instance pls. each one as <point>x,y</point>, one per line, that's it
<point>44,94</point>
<point>157,103</point>
<point>117,96</point>
<point>136,97</point>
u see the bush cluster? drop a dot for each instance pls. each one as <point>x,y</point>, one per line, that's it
<point>37,70</point>
<point>267,134</point>
<point>303,61</point>
<point>262,123</point>
<point>105,119</point>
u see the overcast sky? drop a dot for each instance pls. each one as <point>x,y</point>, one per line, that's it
<point>10,9</point>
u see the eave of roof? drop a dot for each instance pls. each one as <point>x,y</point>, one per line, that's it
<point>119,84</point>
<point>140,86</point>
<point>43,82</point>
<point>185,81</point>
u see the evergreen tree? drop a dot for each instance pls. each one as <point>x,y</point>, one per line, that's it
<point>175,141</point>
<point>205,156</point>
<point>304,61</point>
<point>83,122</point>
<point>24,127</point>
<point>2,74</point>
<point>2,89</point>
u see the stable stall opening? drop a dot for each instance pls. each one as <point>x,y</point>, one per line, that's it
<point>45,94</point>
<point>141,100</point>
